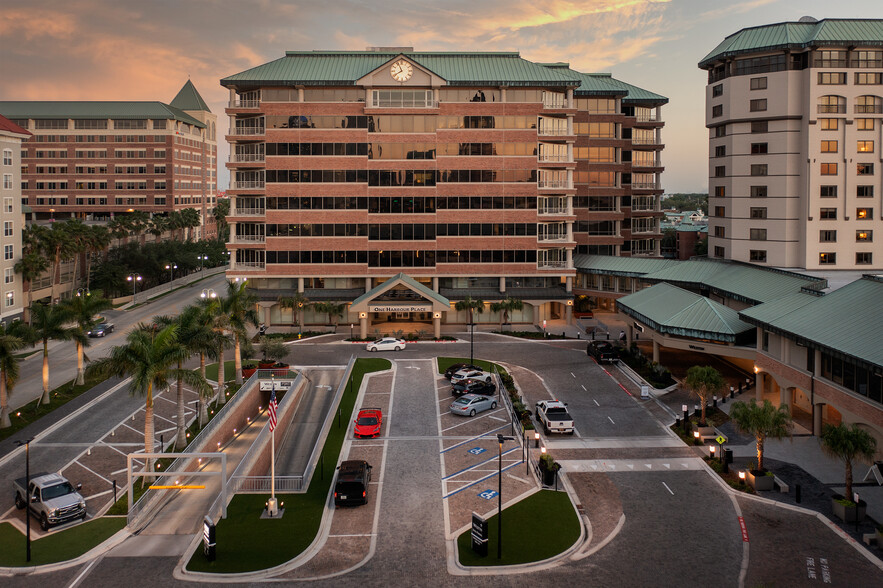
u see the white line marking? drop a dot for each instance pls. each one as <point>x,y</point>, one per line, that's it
<point>584,388</point>
<point>93,471</point>
<point>355,535</point>
<point>667,488</point>
<point>611,420</point>
<point>596,402</point>
<point>83,574</point>
<point>572,376</point>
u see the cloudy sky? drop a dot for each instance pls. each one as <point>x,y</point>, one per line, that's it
<point>146,49</point>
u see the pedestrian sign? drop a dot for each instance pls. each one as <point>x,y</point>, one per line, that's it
<point>721,439</point>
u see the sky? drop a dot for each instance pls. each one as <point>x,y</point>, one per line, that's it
<point>147,49</point>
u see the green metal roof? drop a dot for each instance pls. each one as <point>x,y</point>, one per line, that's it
<point>846,321</point>
<point>188,98</point>
<point>408,281</point>
<point>798,35</point>
<point>619,266</point>
<point>343,68</point>
<point>95,110</point>
<point>673,311</point>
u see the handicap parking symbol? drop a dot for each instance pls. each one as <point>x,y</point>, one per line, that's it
<point>477,451</point>
<point>488,494</point>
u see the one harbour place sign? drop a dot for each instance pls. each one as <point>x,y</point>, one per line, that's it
<point>399,307</point>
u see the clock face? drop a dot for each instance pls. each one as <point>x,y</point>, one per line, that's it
<point>401,71</point>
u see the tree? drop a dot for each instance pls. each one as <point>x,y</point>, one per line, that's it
<point>219,322</point>
<point>57,245</point>
<point>82,310</point>
<point>331,308</point>
<point>221,212</point>
<point>764,421</point>
<point>190,219</point>
<point>849,443</point>
<point>49,322</point>
<point>704,381</point>
<point>98,241</point>
<point>11,341</point>
<point>31,266</point>
<point>472,305</point>
<point>506,306</point>
<point>150,357</point>
<point>240,305</point>
<point>297,303</point>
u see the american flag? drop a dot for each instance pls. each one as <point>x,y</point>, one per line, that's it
<point>271,411</point>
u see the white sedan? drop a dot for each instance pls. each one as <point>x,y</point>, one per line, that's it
<point>476,375</point>
<point>470,404</point>
<point>386,344</point>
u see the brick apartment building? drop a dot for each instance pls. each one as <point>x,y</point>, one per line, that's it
<point>401,181</point>
<point>11,218</point>
<point>94,160</point>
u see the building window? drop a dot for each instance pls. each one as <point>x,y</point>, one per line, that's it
<point>10,299</point>
<point>865,147</point>
<point>867,59</point>
<point>868,105</point>
<point>720,151</point>
<point>717,90</point>
<point>757,105</point>
<point>720,131</point>
<point>829,124</point>
<point>829,169</point>
<point>7,157</point>
<point>765,341</point>
<point>720,191</point>
<point>758,191</point>
<point>832,78</point>
<point>868,79</point>
<point>827,258</point>
<point>864,124</point>
<point>720,231</point>
<point>720,171</point>
<point>864,213</point>
<point>829,146</point>
<point>720,211</point>
<point>760,126</point>
<point>7,228</point>
<point>827,236</point>
<point>864,258</point>
<point>7,204</point>
<point>8,252</point>
<point>759,169</point>
<point>9,275</point>
<point>758,148</point>
<point>758,255</point>
<point>717,110</point>
<point>828,58</point>
<point>7,181</point>
<point>719,252</point>
<point>757,234</point>
<point>865,169</point>
<point>828,214</point>
<point>864,236</point>
<point>828,191</point>
<point>757,212</point>
<point>864,191</point>
<point>832,105</point>
<point>159,123</point>
<point>758,83</point>
<point>403,99</point>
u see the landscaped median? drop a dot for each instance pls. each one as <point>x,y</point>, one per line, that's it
<point>56,547</point>
<point>247,543</point>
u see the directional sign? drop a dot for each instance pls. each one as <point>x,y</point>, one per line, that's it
<point>720,439</point>
<point>488,494</point>
<point>477,451</point>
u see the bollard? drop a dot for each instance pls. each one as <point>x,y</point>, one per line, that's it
<point>714,401</point>
<point>114,491</point>
<point>797,493</point>
<point>338,418</point>
<point>579,335</point>
<point>608,338</point>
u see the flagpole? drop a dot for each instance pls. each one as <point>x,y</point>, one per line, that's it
<point>272,508</point>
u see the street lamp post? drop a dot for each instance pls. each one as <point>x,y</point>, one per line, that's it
<point>134,278</point>
<point>202,259</point>
<point>171,267</point>
<point>471,340</point>
<point>500,439</point>
<point>83,292</point>
<point>208,293</point>
<point>27,444</point>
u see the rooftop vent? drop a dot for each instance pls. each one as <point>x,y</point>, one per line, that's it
<point>390,49</point>
<point>808,19</point>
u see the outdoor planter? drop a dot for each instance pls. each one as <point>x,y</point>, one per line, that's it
<point>265,365</point>
<point>248,372</point>
<point>759,480</point>
<point>849,514</point>
<point>549,477</point>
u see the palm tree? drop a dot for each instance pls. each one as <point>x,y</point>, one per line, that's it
<point>49,322</point>
<point>764,421</point>
<point>473,305</point>
<point>57,246</point>
<point>332,309</point>
<point>31,266</point>
<point>297,304</point>
<point>849,443</point>
<point>119,227</point>
<point>704,381</point>
<point>150,357</point>
<point>219,322</point>
<point>137,223</point>
<point>98,242</point>
<point>190,219</point>
<point>221,212</point>
<point>505,306</point>
<point>82,310</point>
<point>240,305</point>
<point>11,341</point>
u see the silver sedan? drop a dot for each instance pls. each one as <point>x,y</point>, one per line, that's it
<point>470,404</point>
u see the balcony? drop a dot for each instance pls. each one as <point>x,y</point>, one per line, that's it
<point>247,158</point>
<point>240,103</point>
<point>247,185</point>
<point>644,230</point>
<point>554,184</point>
<point>646,186</point>
<point>247,131</point>
<point>550,264</point>
<point>645,141</point>
<point>553,210</point>
<point>645,206</point>
<point>554,100</point>
<point>549,131</point>
<point>555,159</point>
<point>646,118</point>
<point>650,163</point>
<point>249,239</point>
<point>248,265</point>
<point>245,211</point>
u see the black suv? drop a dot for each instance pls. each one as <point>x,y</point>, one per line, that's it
<point>602,351</point>
<point>473,387</point>
<point>351,488</point>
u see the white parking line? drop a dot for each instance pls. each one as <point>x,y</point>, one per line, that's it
<point>611,420</point>
<point>596,402</point>
<point>584,388</point>
<point>572,376</point>
<point>667,488</point>
<point>88,469</point>
<point>472,419</point>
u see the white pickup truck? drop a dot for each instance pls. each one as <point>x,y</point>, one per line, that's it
<point>553,415</point>
<point>50,498</point>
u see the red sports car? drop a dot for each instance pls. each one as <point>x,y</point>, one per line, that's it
<point>368,423</point>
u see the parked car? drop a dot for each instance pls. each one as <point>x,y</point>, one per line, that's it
<point>50,498</point>
<point>473,387</point>
<point>602,351</point>
<point>553,416</point>
<point>351,488</point>
<point>386,344</point>
<point>471,404</point>
<point>100,330</point>
<point>368,423</point>
<point>471,375</point>
<point>460,366</point>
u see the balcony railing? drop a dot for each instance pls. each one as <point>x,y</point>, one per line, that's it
<point>552,131</point>
<point>644,252</point>
<point>648,141</point>
<point>245,211</point>
<point>249,264</point>
<point>552,210</point>
<point>249,239</point>
<point>650,163</point>
<point>558,184</point>
<point>247,157</point>
<point>555,158</point>
<point>645,206</point>
<point>554,101</point>
<point>646,118</point>
<point>645,186</point>
<point>244,103</point>
<point>548,264</point>
<point>247,131</point>
<point>832,109</point>
<point>553,237</point>
<point>247,185</point>
<point>868,108</point>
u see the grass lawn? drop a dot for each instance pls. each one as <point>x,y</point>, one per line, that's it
<point>211,371</point>
<point>246,543</point>
<point>60,546</point>
<point>33,411</point>
<point>527,534</point>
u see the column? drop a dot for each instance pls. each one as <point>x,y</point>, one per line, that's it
<point>568,284</point>
<point>655,350</point>
<point>570,103</point>
<point>436,324</point>
<point>502,284</point>
<point>363,325</point>
<point>367,284</point>
<point>569,258</point>
<point>761,384</point>
<point>300,93</point>
<point>817,411</point>
<point>786,396</point>
<point>267,315</point>
<point>435,284</point>
<point>568,313</point>
<point>300,285</point>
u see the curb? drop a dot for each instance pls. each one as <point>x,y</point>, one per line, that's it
<point>99,550</point>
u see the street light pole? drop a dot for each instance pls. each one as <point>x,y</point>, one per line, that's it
<point>171,268</point>
<point>27,444</point>
<point>500,439</point>
<point>471,339</point>
<point>134,278</point>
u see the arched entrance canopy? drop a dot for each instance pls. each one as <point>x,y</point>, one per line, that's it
<point>400,294</point>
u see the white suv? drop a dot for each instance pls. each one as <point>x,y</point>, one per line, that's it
<point>471,375</point>
<point>386,344</point>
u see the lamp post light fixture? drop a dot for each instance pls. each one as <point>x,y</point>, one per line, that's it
<point>202,259</point>
<point>742,476</point>
<point>711,451</point>
<point>500,439</point>
<point>83,292</point>
<point>27,444</point>
<point>207,293</point>
<point>171,267</point>
<point>134,278</point>
<point>536,439</point>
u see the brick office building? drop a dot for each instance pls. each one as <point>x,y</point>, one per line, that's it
<point>461,174</point>
<point>93,160</point>
<point>11,218</point>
